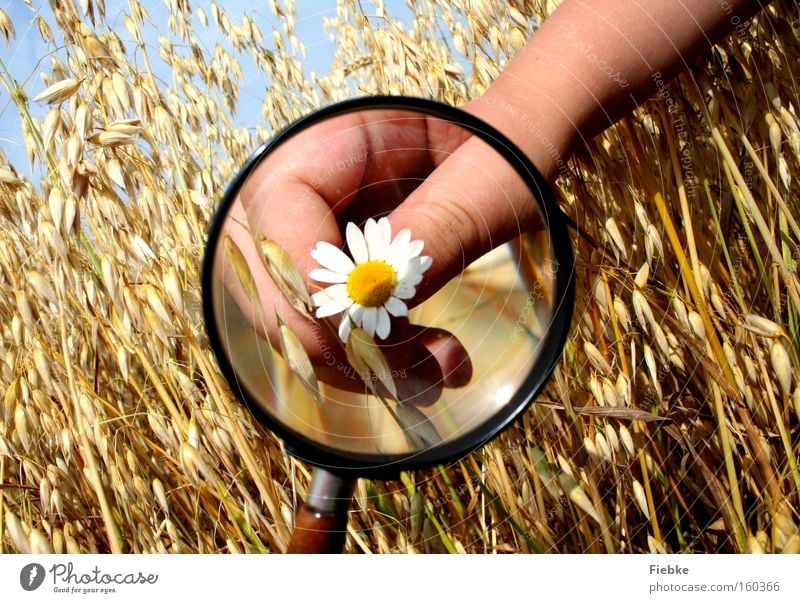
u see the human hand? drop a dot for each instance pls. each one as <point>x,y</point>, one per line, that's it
<point>367,164</point>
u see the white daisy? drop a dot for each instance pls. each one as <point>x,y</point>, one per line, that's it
<point>374,284</point>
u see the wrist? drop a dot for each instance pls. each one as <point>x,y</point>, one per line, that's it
<point>534,124</point>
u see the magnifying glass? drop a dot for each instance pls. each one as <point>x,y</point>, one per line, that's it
<point>319,311</point>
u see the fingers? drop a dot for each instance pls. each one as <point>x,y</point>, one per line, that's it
<point>294,197</point>
<point>449,353</point>
<point>474,201</point>
<point>435,360</point>
<point>424,360</point>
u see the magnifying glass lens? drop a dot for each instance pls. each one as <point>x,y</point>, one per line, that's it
<point>321,306</point>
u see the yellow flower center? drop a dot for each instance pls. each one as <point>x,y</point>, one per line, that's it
<point>371,283</point>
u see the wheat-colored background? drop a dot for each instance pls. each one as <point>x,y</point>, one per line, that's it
<point>117,432</point>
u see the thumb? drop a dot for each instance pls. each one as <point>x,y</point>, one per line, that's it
<point>471,203</point>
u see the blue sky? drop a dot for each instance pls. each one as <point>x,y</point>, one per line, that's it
<point>25,54</point>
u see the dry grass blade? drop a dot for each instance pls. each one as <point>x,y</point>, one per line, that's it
<point>285,275</point>
<point>297,358</point>
<point>626,414</point>
<point>6,26</point>
<point>413,419</point>
<point>118,432</point>
<point>366,357</point>
<point>59,92</point>
<point>240,267</point>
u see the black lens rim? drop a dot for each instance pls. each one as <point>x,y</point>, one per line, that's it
<point>388,466</point>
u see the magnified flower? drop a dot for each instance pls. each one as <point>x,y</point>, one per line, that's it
<point>374,284</point>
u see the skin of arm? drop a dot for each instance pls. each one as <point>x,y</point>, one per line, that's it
<point>588,65</point>
<point>593,61</point>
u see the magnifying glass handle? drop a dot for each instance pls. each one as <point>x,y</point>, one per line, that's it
<point>321,523</point>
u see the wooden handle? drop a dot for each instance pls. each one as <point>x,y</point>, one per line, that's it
<point>318,532</point>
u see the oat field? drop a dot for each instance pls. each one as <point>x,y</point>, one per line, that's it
<point>118,433</point>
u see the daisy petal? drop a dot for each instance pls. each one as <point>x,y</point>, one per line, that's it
<point>356,243</point>
<point>402,239</point>
<point>369,320</point>
<point>329,309</point>
<point>412,278</point>
<point>356,312</point>
<point>410,266</point>
<point>385,233</point>
<point>322,297</point>
<point>384,325</point>
<point>339,293</point>
<point>411,271</point>
<point>336,292</point>
<point>344,328</point>
<point>414,247</point>
<point>331,257</point>
<point>404,291</point>
<point>398,257</point>
<point>396,307</point>
<point>425,262</point>
<point>372,238</point>
<point>327,276</point>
